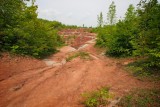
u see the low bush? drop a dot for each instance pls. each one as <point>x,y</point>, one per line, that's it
<point>142,70</point>
<point>96,98</point>
<point>141,98</point>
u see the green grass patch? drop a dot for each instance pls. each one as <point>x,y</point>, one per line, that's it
<point>82,55</point>
<point>142,70</point>
<point>96,98</point>
<point>141,98</point>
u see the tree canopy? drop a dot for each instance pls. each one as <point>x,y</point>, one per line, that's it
<point>23,33</point>
<point>138,34</point>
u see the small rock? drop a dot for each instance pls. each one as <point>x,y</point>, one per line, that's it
<point>125,63</point>
<point>102,54</point>
<point>91,41</point>
<point>57,64</point>
<point>83,46</point>
<point>63,61</point>
<point>114,102</point>
<point>17,87</point>
<point>67,49</point>
<point>49,62</point>
<point>94,57</point>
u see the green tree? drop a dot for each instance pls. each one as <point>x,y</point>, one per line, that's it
<point>11,15</point>
<point>100,20</point>
<point>131,13</point>
<point>119,43</point>
<point>111,15</point>
<point>23,33</point>
<point>9,11</point>
<point>147,42</point>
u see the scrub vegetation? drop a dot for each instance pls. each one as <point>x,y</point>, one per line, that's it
<point>21,32</point>
<point>138,34</point>
<point>141,98</point>
<point>98,98</point>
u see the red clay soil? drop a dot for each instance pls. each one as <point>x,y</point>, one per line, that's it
<point>77,37</point>
<point>27,82</point>
<point>11,65</point>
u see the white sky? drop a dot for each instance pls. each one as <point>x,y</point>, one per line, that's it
<point>79,12</point>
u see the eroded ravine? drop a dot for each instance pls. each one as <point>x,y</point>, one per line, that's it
<point>61,83</point>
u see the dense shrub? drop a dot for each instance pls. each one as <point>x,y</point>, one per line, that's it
<point>117,38</point>
<point>138,34</point>
<point>104,35</point>
<point>147,42</point>
<point>24,33</point>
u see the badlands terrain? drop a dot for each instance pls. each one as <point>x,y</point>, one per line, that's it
<point>58,82</point>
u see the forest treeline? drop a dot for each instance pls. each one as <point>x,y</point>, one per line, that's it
<point>137,34</point>
<point>21,32</point>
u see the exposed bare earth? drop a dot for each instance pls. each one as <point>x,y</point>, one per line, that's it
<point>53,82</point>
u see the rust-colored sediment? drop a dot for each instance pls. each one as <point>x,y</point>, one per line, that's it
<point>28,82</point>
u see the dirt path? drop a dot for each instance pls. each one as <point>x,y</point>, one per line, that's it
<point>53,82</point>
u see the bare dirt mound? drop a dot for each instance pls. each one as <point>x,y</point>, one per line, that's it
<point>31,83</point>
